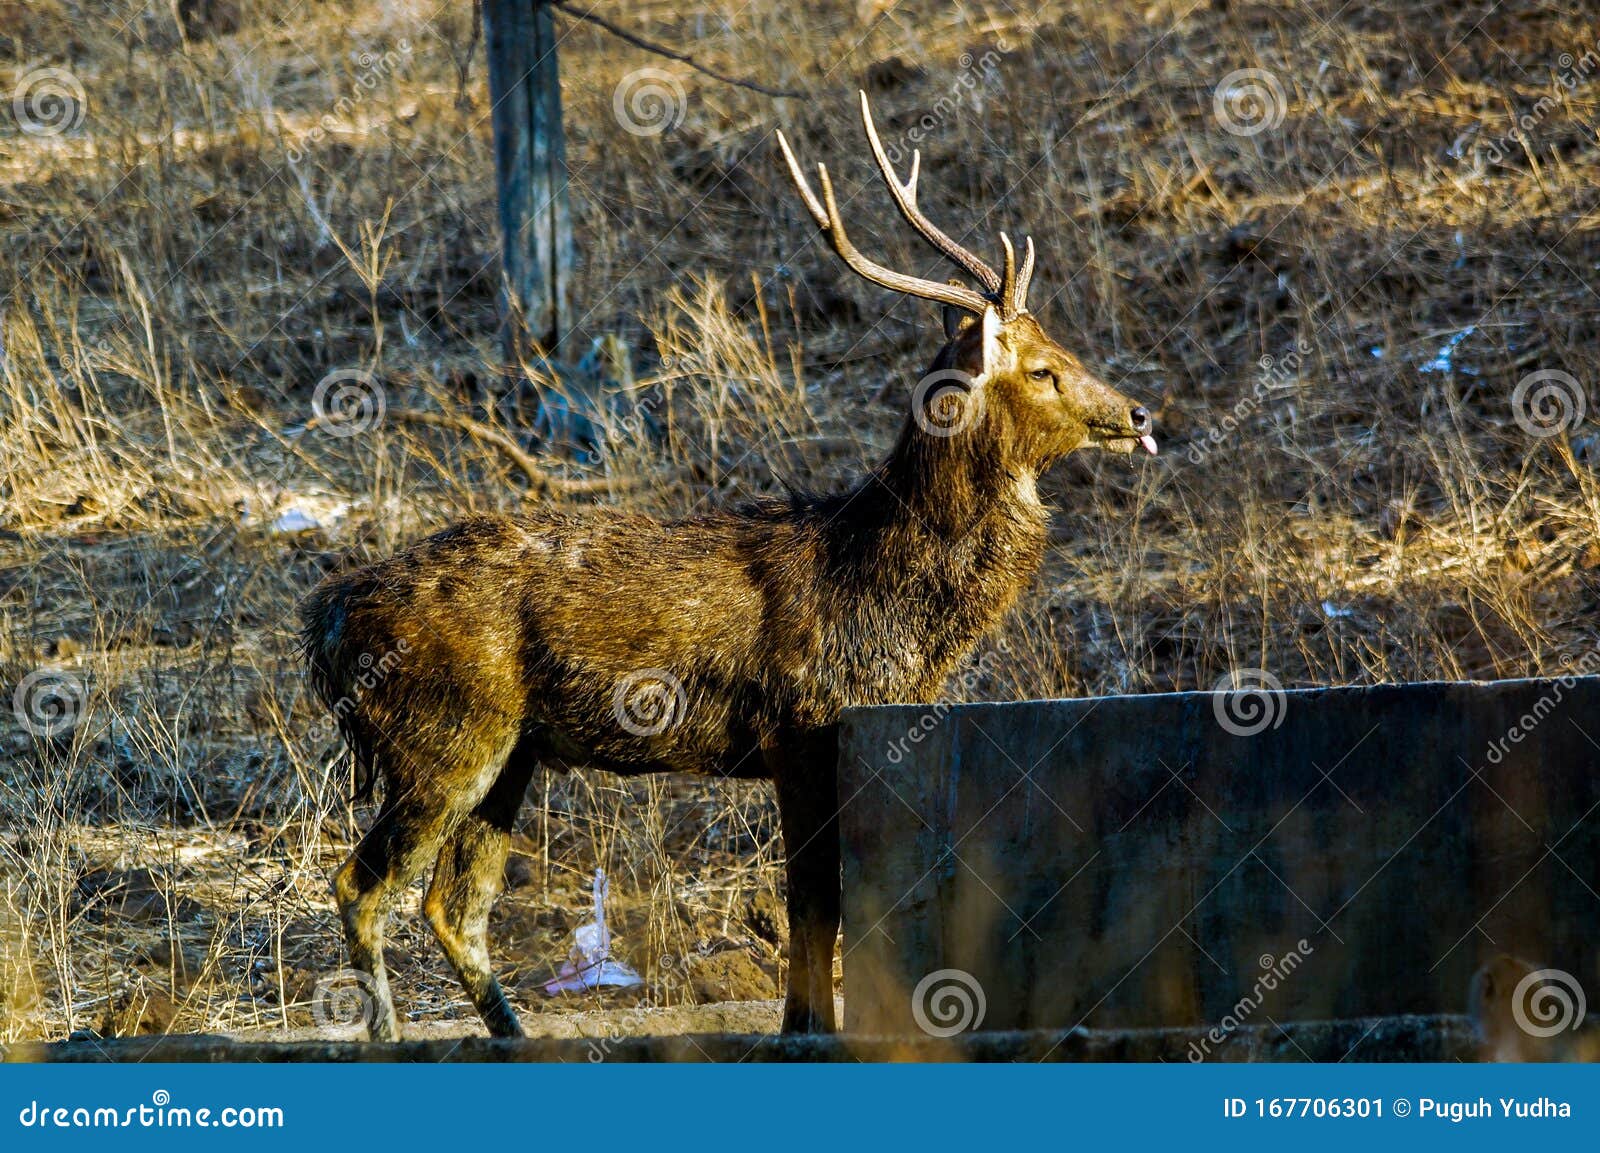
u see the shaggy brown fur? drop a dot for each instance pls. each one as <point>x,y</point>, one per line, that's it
<point>724,643</point>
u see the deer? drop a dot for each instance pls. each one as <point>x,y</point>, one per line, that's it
<point>724,643</point>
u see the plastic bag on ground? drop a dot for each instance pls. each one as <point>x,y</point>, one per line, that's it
<point>590,964</point>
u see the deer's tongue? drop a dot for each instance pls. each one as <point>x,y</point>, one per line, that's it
<point>1149,443</point>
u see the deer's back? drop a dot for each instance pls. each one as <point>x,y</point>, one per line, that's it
<point>543,625</point>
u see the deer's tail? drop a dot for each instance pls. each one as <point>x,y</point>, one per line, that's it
<point>324,615</point>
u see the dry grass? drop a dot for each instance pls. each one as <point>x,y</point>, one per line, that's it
<point>176,284</point>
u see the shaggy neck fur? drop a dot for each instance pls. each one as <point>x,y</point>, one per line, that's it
<point>941,537</point>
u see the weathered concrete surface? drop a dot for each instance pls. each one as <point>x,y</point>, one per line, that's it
<point>1400,1039</point>
<point>731,1017</point>
<point>1130,862</point>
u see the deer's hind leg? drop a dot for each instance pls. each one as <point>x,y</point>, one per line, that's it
<point>429,789</point>
<point>466,881</point>
<point>396,849</point>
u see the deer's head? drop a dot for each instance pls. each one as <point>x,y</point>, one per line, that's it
<point>999,374</point>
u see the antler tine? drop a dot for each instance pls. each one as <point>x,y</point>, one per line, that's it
<point>826,213</point>
<point>813,205</point>
<point>1008,284</point>
<point>905,198</point>
<point>1019,290</point>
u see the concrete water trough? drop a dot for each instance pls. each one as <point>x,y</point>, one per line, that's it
<point>1205,861</point>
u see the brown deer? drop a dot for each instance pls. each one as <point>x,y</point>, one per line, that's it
<point>723,644</point>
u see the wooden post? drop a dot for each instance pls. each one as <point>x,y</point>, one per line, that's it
<point>530,168</point>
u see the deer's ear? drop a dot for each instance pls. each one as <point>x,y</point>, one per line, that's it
<point>956,320</point>
<point>994,353</point>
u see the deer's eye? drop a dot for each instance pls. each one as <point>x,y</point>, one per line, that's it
<point>1041,375</point>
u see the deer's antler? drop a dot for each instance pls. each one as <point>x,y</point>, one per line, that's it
<point>905,198</point>
<point>826,214</point>
<point>1014,292</point>
<point>1007,292</point>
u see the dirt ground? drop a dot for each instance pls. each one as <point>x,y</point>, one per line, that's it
<point>170,926</point>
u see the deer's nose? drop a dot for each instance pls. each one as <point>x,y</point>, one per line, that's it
<point>1140,419</point>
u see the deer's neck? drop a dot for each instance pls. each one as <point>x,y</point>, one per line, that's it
<point>948,533</point>
<point>954,487</point>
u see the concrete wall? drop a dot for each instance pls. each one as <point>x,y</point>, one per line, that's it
<point>1156,860</point>
<point>1399,1039</point>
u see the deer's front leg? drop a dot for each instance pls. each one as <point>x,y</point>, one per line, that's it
<point>808,810</point>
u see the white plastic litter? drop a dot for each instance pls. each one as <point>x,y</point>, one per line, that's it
<point>1443,362</point>
<point>286,513</point>
<point>295,520</point>
<point>590,965</point>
